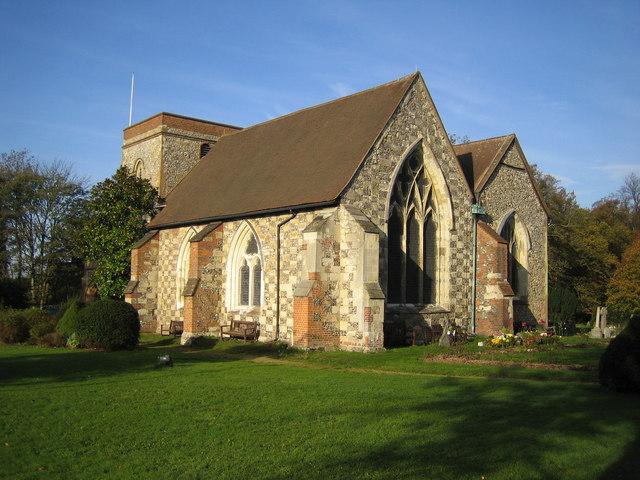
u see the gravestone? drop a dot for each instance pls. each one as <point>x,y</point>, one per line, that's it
<point>598,330</point>
<point>445,339</point>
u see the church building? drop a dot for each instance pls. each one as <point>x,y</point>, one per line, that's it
<point>351,225</point>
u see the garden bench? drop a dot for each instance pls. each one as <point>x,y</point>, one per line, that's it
<point>245,329</point>
<point>175,328</point>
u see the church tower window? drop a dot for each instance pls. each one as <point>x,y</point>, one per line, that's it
<point>137,168</point>
<point>204,149</point>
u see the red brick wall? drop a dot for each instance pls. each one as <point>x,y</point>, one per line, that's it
<point>494,297</point>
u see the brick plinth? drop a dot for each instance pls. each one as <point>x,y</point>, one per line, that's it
<point>313,326</point>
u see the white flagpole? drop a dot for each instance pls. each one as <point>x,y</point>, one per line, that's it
<point>131,100</point>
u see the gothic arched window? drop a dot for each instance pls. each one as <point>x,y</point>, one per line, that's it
<point>412,235</point>
<point>137,169</point>
<point>245,285</point>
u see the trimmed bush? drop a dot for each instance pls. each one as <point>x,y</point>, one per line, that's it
<point>13,326</point>
<point>620,363</point>
<point>108,324</point>
<point>68,323</point>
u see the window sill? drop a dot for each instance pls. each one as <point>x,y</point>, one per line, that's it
<point>416,308</point>
<point>253,309</point>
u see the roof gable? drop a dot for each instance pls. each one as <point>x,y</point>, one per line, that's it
<point>299,160</point>
<point>478,159</point>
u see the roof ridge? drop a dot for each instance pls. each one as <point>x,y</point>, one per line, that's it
<point>485,139</point>
<point>405,77</point>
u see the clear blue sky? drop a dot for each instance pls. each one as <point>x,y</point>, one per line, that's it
<point>564,76</point>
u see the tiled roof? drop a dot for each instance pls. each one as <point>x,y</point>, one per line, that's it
<point>300,160</point>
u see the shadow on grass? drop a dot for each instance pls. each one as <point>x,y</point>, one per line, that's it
<point>33,364</point>
<point>477,429</point>
<point>163,342</point>
<point>627,466</point>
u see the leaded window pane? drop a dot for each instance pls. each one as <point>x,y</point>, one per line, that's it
<point>257,283</point>
<point>252,246</point>
<point>429,249</point>
<point>396,258</point>
<point>244,283</point>
<point>414,269</point>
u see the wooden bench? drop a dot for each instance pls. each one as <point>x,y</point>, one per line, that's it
<point>245,329</point>
<point>175,328</point>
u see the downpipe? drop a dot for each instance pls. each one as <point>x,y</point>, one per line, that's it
<point>476,210</point>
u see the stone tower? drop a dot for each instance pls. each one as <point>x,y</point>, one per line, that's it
<point>163,148</point>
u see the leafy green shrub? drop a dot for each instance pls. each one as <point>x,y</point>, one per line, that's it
<point>39,322</point>
<point>68,323</point>
<point>583,328</point>
<point>13,292</point>
<point>620,363</point>
<point>563,305</point>
<point>108,324</point>
<point>14,327</point>
<point>53,339</point>
<point>73,341</point>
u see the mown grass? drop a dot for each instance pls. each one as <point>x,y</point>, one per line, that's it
<point>233,410</point>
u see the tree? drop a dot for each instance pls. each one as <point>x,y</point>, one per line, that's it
<point>118,210</point>
<point>582,245</point>
<point>614,213</point>
<point>38,201</point>
<point>456,139</point>
<point>18,182</point>
<point>629,196</point>
<point>624,288</point>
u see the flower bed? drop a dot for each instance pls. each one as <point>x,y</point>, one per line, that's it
<point>526,339</point>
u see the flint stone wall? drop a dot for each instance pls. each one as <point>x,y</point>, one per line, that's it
<point>167,155</point>
<point>510,189</point>
<point>369,192</point>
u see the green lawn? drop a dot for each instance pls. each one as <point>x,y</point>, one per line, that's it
<point>254,411</point>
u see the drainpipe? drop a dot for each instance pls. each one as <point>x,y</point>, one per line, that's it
<point>278,229</point>
<point>476,210</point>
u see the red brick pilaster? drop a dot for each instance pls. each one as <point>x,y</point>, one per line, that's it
<point>494,296</point>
